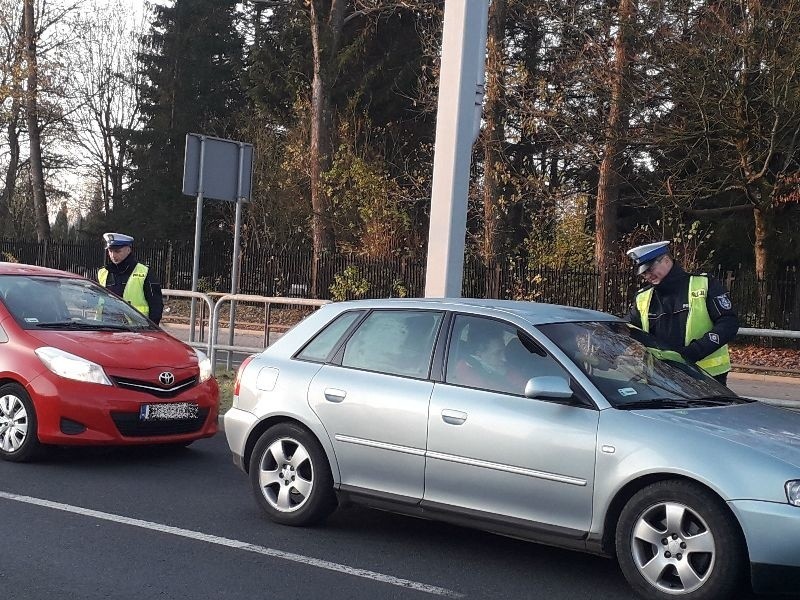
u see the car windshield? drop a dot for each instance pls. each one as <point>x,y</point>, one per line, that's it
<point>63,303</point>
<point>633,370</point>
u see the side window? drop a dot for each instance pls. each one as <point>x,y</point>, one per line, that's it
<point>320,347</point>
<point>397,342</point>
<point>490,355</point>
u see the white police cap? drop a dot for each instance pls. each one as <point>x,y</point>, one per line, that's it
<point>114,240</point>
<point>642,256</point>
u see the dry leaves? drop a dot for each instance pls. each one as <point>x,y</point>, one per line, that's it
<point>757,356</point>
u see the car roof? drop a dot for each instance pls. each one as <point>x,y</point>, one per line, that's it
<point>9,268</point>
<point>536,313</point>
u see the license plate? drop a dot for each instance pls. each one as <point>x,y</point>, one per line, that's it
<point>168,412</point>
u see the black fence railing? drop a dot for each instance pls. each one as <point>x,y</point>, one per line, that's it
<point>771,304</point>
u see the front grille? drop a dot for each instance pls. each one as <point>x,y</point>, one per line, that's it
<point>150,388</point>
<point>130,425</point>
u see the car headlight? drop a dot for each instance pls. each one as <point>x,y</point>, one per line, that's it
<point>71,366</point>
<point>205,365</point>
<point>793,492</point>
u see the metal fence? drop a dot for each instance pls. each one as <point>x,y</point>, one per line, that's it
<point>768,304</point>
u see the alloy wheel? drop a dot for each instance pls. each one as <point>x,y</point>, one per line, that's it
<point>673,548</point>
<point>13,423</point>
<point>286,475</point>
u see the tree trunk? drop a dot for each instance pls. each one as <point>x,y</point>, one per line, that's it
<point>12,132</point>
<point>325,36</point>
<point>614,147</point>
<point>761,245</point>
<point>493,139</point>
<point>117,173</point>
<point>37,172</point>
<point>7,227</point>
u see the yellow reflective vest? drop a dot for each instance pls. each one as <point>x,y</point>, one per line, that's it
<point>698,323</point>
<point>134,288</point>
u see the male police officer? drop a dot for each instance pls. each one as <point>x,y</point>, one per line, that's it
<point>691,313</point>
<point>129,279</point>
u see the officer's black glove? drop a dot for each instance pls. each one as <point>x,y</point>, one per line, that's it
<point>692,352</point>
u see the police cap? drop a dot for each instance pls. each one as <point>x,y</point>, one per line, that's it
<point>643,256</point>
<point>115,240</point>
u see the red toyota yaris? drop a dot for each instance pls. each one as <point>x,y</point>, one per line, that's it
<point>79,366</point>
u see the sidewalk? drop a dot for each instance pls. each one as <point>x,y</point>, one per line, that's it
<point>773,389</point>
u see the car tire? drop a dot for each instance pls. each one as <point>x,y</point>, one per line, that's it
<point>291,477</point>
<point>18,426</point>
<point>677,540</point>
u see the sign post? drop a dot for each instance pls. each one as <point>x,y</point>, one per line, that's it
<point>220,169</point>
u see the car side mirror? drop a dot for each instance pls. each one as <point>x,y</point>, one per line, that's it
<point>548,386</point>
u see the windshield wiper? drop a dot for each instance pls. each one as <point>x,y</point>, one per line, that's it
<point>84,326</point>
<point>656,403</point>
<point>726,400</point>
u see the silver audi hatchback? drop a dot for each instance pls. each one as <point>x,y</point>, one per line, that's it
<point>561,425</point>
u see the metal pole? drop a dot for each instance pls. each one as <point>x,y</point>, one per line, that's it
<point>236,254</point>
<point>198,227</point>
<point>460,96</point>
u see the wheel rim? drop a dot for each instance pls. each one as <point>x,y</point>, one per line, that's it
<point>673,548</point>
<point>13,423</point>
<point>286,475</point>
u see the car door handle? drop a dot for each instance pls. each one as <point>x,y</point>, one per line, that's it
<point>334,395</point>
<point>453,417</point>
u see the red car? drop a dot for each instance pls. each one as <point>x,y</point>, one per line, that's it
<point>79,366</point>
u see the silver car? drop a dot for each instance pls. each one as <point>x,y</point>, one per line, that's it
<point>561,425</point>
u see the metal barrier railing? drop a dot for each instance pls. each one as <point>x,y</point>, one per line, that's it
<point>268,301</point>
<point>209,303</point>
<point>779,333</point>
<point>212,345</point>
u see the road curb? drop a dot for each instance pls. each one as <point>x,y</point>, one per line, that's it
<point>791,404</point>
<point>763,377</point>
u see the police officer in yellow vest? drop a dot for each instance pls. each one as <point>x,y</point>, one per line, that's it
<point>129,279</point>
<point>691,313</point>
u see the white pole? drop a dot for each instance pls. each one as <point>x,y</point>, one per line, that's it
<point>460,95</point>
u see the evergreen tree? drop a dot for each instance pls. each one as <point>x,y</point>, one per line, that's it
<point>60,228</point>
<point>192,65</point>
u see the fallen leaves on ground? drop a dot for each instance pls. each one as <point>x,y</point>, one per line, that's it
<point>784,359</point>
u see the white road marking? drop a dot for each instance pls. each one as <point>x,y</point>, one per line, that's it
<point>237,544</point>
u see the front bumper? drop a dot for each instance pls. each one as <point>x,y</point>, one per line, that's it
<point>772,532</point>
<point>73,413</point>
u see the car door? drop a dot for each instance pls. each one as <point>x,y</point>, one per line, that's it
<point>492,450</point>
<point>373,401</point>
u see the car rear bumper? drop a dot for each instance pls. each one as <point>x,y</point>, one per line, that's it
<point>238,424</point>
<point>78,413</point>
<point>772,531</point>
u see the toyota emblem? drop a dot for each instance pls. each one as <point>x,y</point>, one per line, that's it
<point>166,378</point>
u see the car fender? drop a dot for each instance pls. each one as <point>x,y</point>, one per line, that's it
<point>17,365</point>
<point>633,451</point>
<point>268,391</point>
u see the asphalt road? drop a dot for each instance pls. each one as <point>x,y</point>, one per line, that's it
<point>141,523</point>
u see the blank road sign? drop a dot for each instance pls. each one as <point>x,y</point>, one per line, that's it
<point>221,172</point>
